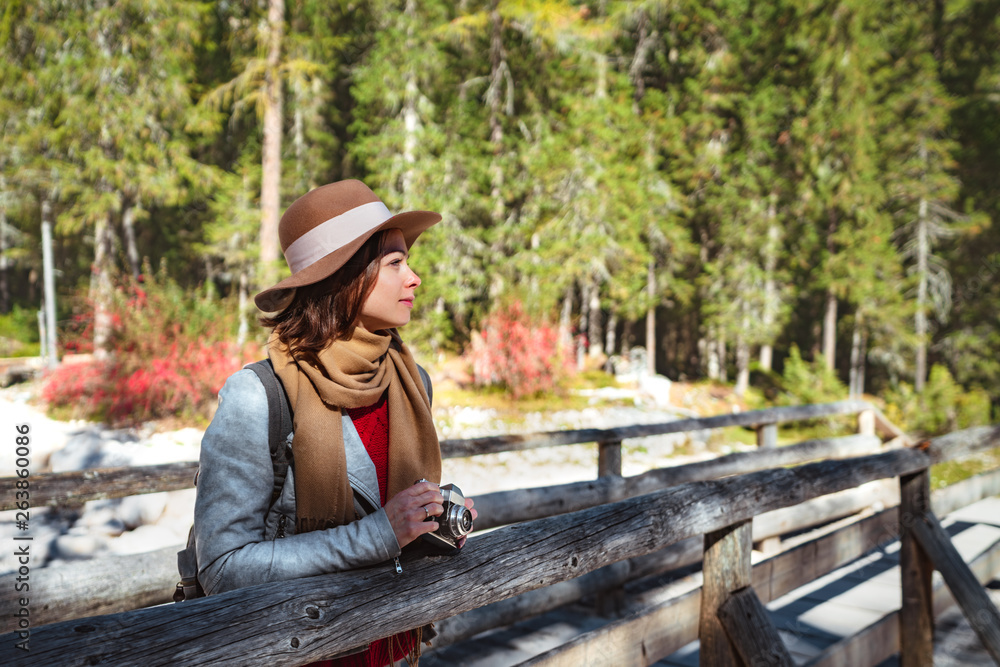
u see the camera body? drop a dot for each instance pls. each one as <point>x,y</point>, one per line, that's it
<point>454,523</point>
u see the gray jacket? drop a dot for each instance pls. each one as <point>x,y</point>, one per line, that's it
<point>234,529</point>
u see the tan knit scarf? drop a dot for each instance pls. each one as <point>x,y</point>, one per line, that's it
<point>353,374</point>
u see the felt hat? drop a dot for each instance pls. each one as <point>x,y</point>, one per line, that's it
<point>323,228</point>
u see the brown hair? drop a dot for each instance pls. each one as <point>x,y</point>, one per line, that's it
<point>328,310</point>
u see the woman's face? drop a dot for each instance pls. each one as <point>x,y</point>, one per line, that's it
<point>391,300</point>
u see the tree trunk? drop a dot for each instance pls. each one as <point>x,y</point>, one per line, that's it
<point>830,330</point>
<point>583,342</point>
<point>497,66</point>
<point>721,343</point>
<point>128,226</point>
<point>611,335</point>
<point>100,285</point>
<point>565,319</point>
<point>411,119</point>
<point>299,139</point>
<point>923,253</point>
<point>594,333</point>
<point>4,264</point>
<point>743,356</point>
<point>857,361</point>
<point>651,319</point>
<point>770,286</point>
<point>711,355</point>
<point>244,306</point>
<point>270,187</point>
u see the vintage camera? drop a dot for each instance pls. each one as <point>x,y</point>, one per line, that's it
<point>454,522</point>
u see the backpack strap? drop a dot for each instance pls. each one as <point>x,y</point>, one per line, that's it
<point>279,423</point>
<point>426,379</point>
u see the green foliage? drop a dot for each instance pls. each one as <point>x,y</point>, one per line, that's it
<point>19,333</point>
<point>943,406</point>
<point>806,382</point>
<point>724,165</point>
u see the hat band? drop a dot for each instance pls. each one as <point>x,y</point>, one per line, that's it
<point>334,234</point>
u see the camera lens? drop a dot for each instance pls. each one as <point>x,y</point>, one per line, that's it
<point>459,521</point>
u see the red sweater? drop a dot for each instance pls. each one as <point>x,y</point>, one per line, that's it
<point>372,423</point>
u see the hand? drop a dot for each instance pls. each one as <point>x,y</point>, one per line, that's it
<point>469,504</point>
<point>407,514</point>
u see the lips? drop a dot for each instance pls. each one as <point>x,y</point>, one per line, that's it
<point>408,302</point>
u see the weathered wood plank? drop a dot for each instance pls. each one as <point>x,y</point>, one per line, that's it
<point>104,585</point>
<point>78,487</point>
<point>639,639</point>
<point>61,601</point>
<point>817,511</point>
<point>63,489</point>
<point>871,646</point>
<point>962,494</point>
<point>980,611</point>
<point>751,631</point>
<point>726,568</point>
<point>916,618</point>
<point>880,640</point>
<point>59,592</point>
<point>334,612</point>
<point>506,507</point>
<point>509,443</point>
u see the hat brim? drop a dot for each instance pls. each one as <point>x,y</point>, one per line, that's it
<point>276,298</point>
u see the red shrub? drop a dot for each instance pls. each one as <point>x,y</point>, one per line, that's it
<point>173,351</point>
<point>517,354</point>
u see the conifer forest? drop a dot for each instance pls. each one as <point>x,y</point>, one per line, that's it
<point>735,185</point>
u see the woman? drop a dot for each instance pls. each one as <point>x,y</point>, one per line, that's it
<point>363,432</point>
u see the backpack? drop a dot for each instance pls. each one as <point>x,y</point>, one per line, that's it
<point>279,425</point>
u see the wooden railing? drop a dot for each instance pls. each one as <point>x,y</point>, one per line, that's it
<point>298,621</point>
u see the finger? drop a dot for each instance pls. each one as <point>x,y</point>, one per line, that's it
<point>469,503</point>
<point>428,497</point>
<point>424,512</point>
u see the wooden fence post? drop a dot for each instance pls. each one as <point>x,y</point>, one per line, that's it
<point>979,610</point>
<point>611,602</point>
<point>916,617</point>
<point>609,459</point>
<point>726,568</point>
<point>866,422</point>
<point>767,438</point>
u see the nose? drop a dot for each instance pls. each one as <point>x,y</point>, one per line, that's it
<point>414,280</point>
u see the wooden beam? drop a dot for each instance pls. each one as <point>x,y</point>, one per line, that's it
<point>979,610</point>
<point>916,617</point>
<point>335,612</point>
<point>643,637</point>
<point>61,593</point>
<point>67,489</point>
<point>726,569</point>
<point>510,443</point>
<point>751,632</point>
<point>506,507</point>
<point>103,585</point>
<point>77,487</point>
<point>880,640</point>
